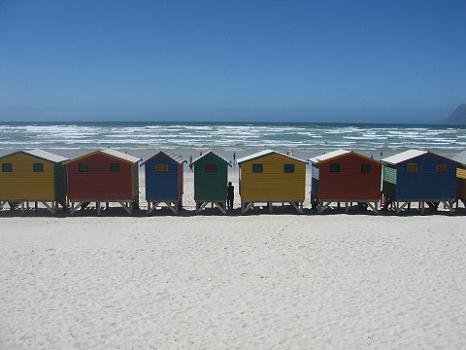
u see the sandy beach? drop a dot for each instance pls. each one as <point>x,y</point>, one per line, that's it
<point>214,282</point>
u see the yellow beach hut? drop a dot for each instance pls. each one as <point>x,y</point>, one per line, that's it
<point>32,176</point>
<point>272,177</point>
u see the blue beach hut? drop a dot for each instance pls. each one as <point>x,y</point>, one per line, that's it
<point>418,176</point>
<point>164,181</point>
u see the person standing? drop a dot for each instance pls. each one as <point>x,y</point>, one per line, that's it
<point>230,195</point>
<point>191,163</point>
<point>234,159</point>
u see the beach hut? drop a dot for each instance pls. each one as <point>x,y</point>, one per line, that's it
<point>272,177</point>
<point>164,181</point>
<point>461,177</point>
<point>210,181</point>
<point>104,176</point>
<point>32,176</point>
<point>345,177</point>
<point>418,176</point>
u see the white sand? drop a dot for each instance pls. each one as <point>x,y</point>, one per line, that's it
<point>246,282</point>
<point>256,282</point>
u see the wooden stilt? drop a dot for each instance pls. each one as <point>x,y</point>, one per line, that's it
<point>125,206</point>
<point>49,207</point>
<point>400,208</point>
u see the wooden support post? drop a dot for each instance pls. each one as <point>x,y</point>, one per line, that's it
<point>151,207</point>
<point>373,206</point>
<point>448,206</point>
<point>421,203</point>
<point>220,206</point>
<point>346,207</point>
<point>270,204</point>
<point>399,209</point>
<point>97,205</point>
<point>124,205</point>
<point>246,206</point>
<point>172,206</point>
<point>297,206</point>
<point>49,207</point>
<point>322,206</point>
<point>201,206</point>
<point>74,207</point>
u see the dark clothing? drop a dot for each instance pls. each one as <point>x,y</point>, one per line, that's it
<point>230,197</point>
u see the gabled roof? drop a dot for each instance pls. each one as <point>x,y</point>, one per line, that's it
<point>173,156</point>
<point>460,157</point>
<point>121,155</point>
<point>337,154</point>
<point>38,153</point>
<point>411,154</point>
<point>215,154</point>
<point>330,155</point>
<point>266,153</point>
<point>403,156</point>
<point>110,152</point>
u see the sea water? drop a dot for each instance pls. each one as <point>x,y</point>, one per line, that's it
<point>228,137</point>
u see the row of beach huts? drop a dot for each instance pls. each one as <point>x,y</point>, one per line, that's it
<point>268,178</point>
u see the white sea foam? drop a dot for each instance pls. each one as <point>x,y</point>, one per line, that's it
<point>248,136</point>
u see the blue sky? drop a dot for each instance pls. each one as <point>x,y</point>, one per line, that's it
<point>378,61</point>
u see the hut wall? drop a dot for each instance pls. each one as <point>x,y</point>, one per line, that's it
<point>389,181</point>
<point>314,181</point>
<point>99,183</point>
<point>162,185</point>
<point>461,183</point>
<point>427,183</point>
<point>25,184</point>
<point>210,186</point>
<point>273,183</point>
<point>350,183</point>
<point>60,182</point>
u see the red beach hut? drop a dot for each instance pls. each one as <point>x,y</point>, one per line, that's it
<point>345,176</point>
<point>104,176</point>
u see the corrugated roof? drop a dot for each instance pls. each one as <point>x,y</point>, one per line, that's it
<point>121,155</point>
<point>403,156</point>
<point>329,155</point>
<point>55,158</point>
<point>460,157</point>
<point>215,154</point>
<point>265,153</point>
<point>176,157</point>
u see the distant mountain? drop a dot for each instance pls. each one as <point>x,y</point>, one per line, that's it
<point>458,116</point>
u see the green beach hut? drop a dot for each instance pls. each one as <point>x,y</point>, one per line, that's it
<point>210,181</point>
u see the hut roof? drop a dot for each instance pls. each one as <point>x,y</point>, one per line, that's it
<point>51,157</point>
<point>176,157</point>
<point>411,154</point>
<point>211,152</point>
<point>403,156</point>
<point>111,152</point>
<point>265,153</point>
<point>121,155</point>
<point>460,157</point>
<point>330,155</point>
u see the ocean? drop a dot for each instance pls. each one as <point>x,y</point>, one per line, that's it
<point>228,137</point>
